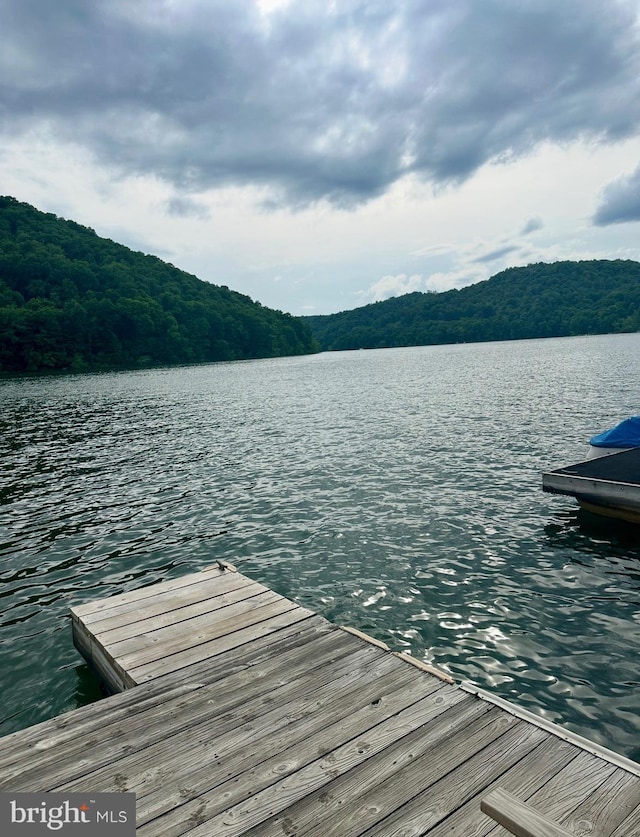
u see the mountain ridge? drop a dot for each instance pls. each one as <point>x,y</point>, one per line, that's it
<point>71,300</point>
<point>555,299</point>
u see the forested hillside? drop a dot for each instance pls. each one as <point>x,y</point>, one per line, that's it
<point>72,300</point>
<point>541,300</point>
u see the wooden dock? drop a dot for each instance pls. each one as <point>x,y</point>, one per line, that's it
<point>238,712</point>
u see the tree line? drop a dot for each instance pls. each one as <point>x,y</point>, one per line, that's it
<point>71,300</point>
<point>540,300</point>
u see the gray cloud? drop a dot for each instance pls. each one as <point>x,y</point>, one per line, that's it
<point>317,101</point>
<point>620,201</point>
<point>495,254</point>
<point>185,207</point>
<point>532,225</point>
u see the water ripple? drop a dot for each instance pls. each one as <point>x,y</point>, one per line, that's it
<point>397,491</point>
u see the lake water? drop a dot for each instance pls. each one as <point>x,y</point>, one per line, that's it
<point>397,491</point>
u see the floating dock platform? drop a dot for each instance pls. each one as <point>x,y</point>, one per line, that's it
<point>608,485</point>
<point>238,712</point>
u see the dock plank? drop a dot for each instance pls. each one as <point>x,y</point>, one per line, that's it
<point>424,791</point>
<point>138,648</point>
<point>174,716</point>
<point>559,797</point>
<point>89,609</point>
<point>356,714</point>
<point>454,784</point>
<point>630,826</point>
<point>598,815</point>
<point>235,749</point>
<point>184,658</point>
<point>518,818</point>
<point>268,650</point>
<point>293,800</point>
<point>162,626</point>
<point>134,618</point>
<point>229,731</point>
<point>527,776</point>
<point>239,712</point>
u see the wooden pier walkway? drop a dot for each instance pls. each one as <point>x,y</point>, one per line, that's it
<point>238,712</point>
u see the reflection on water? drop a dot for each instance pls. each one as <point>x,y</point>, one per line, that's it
<point>616,533</point>
<point>579,529</point>
<point>398,491</point>
<point>88,689</point>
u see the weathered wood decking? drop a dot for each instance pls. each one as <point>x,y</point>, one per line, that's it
<point>245,714</point>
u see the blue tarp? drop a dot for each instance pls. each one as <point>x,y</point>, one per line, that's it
<point>624,435</point>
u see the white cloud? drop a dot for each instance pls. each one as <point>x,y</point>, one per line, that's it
<point>438,282</point>
<point>389,286</point>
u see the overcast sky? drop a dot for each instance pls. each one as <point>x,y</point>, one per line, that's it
<point>321,155</point>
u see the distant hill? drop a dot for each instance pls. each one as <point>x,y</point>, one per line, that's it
<point>541,300</point>
<point>70,300</point>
